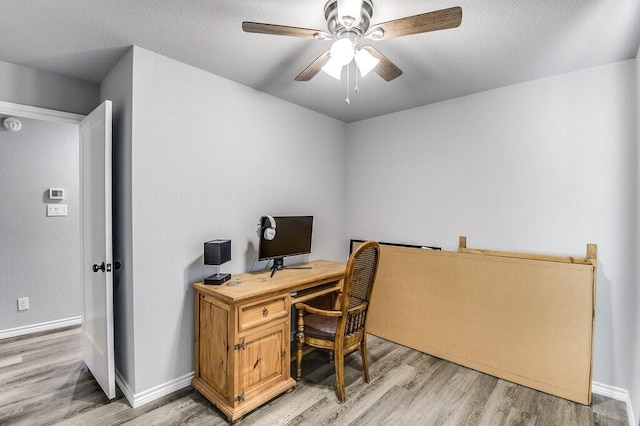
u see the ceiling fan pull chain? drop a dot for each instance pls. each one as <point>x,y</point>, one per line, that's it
<point>357,89</point>
<point>347,100</point>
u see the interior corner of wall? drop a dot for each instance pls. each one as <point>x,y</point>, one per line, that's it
<point>125,388</point>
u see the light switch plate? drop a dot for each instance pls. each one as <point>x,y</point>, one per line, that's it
<point>56,210</point>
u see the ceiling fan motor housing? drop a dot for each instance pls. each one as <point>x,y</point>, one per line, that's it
<point>337,28</point>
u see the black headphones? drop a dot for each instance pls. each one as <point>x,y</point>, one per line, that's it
<point>269,231</point>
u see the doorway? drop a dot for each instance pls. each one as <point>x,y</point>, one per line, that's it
<point>93,241</point>
<point>39,248</point>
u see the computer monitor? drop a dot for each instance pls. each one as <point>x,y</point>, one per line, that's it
<point>292,237</point>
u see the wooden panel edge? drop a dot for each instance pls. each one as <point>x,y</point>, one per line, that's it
<point>590,259</point>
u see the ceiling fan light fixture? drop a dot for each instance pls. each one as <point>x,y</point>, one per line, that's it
<point>333,68</point>
<point>342,51</point>
<point>366,62</point>
<point>349,12</point>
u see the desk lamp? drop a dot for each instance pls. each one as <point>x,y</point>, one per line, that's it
<point>217,252</point>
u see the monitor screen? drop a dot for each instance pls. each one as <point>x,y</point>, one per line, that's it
<point>292,237</point>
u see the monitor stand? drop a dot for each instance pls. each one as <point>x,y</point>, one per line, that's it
<point>278,264</point>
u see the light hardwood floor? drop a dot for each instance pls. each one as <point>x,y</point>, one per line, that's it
<point>42,383</point>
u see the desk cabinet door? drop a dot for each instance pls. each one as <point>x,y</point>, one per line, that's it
<point>263,362</point>
<point>213,347</point>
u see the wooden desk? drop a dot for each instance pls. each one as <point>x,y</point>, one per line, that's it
<point>242,333</point>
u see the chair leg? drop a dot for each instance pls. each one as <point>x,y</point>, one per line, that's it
<point>339,362</point>
<point>365,357</point>
<point>300,344</point>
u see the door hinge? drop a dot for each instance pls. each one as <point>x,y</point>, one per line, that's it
<point>240,397</point>
<point>239,346</point>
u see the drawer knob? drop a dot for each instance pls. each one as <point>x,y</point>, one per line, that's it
<point>265,312</point>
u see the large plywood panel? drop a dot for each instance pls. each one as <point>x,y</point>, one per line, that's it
<point>527,321</point>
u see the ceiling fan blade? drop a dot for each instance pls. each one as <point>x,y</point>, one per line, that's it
<point>431,21</point>
<point>385,68</point>
<point>314,68</point>
<point>260,28</point>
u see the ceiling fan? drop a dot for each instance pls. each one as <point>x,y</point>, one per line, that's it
<point>348,22</point>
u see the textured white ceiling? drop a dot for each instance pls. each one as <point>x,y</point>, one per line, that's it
<point>500,42</point>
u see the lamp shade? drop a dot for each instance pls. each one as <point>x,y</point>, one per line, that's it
<point>217,252</point>
<point>333,68</point>
<point>366,62</point>
<point>342,51</point>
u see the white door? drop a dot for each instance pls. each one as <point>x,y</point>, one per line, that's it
<point>97,262</point>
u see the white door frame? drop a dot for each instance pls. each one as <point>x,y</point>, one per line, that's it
<point>37,113</point>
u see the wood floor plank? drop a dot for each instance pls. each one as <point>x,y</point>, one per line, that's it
<point>10,360</point>
<point>179,411</point>
<point>370,394</point>
<point>37,340</point>
<point>42,382</point>
<point>470,408</point>
<point>518,417</point>
<point>379,412</point>
<point>434,407</point>
<point>608,408</point>
<point>498,404</point>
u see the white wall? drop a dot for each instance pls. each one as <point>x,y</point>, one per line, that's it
<point>39,255</point>
<point>210,156</point>
<point>545,166</point>
<point>29,86</point>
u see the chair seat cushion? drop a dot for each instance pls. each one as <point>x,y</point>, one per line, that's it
<point>320,326</point>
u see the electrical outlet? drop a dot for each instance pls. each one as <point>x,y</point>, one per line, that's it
<point>23,303</point>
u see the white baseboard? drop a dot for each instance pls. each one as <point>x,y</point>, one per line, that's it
<point>618,394</point>
<point>125,388</point>
<point>36,328</point>
<point>139,399</point>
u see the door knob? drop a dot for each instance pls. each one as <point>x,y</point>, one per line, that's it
<point>97,268</point>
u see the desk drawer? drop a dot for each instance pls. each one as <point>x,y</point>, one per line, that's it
<point>262,312</point>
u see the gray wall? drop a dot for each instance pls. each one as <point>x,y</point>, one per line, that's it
<point>545,166</point>
<point>117,87</point>
<point>39,255</point>
<point>28,86</point>
<point>208,157</point>
<point>635,375</point>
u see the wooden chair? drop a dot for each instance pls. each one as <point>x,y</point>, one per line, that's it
<point>342,331</point>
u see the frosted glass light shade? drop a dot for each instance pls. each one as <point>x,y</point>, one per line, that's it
<point>342,51</point>
<point>366,62</point>
<point>333,68</point>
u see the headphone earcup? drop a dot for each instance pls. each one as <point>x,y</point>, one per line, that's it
<point>269,234</point>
